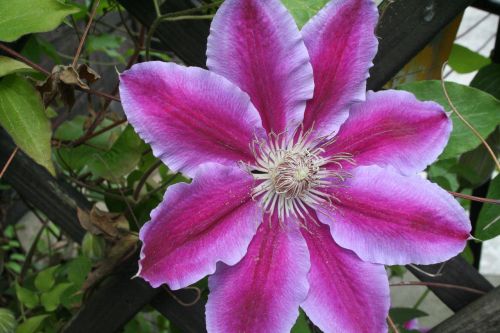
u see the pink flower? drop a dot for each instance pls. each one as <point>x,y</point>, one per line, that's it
<point>296,201</point>
<point>414,325</point>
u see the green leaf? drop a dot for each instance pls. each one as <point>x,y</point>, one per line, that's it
<point>479,108</point>
<point>443,173</point>
<point>23,116</point>
<point>7,321</point>
<point>463,60</point>
<point>45,280</point>
<point>402,315</point>
<point>26,296</point>
<point>32,325</point>
<point>93,246</point>
<point>52,299</point>
<point>78,269</point>
<point>301,325</point>
<point>475,167</point>
<point>488,80</point>
<point>488,222</point>
<point>78,157</point>
<point>303,10</point>
<point>10,66</point>
<point>121,159</point>
<point>36,47</point>
<point>108,44</point>
<point>28,16</point>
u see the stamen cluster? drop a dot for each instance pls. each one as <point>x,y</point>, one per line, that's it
<point>292,174</point>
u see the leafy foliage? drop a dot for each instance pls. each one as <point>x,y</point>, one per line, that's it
<point>11,66</point>
<point>303,10</point>
<point>7,321</point>
<point>488,223</point>
<point>464,60</point>
<point>28,16</point>
<point>22,115</point>
<point>479,108</point>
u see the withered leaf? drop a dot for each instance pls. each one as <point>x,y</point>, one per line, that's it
<point>63,80</point>
<point>120,251</point>
<point>111,225</point>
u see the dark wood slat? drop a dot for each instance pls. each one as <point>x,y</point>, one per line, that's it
<point>190,319</point>
<point>405,29</point>
<point>456,271</point>
<point>55,198</point>
<point>114,303</point>
<point>481,316</point>
<point>188,40</point>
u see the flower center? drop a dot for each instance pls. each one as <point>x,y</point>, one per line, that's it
<point>293,175</point>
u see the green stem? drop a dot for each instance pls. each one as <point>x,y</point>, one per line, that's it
<point>177,16</point>
<point>157,8</point>
<point>421,298</point>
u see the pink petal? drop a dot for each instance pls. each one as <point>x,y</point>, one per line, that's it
<point>394,128</point>
<point>257,45</point>
<point>342,44</point>
<point>189,115</point>
<point>346,294</point>
<point>213,219</point>
<point>392,219</point>
<point>261,293</point>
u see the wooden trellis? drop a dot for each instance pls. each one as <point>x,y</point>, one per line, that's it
<point>405,28</point>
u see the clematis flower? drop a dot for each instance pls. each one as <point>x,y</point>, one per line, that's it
<point>304,186</point>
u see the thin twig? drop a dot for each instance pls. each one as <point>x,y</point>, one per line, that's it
<point>392,324</point>
<point>439,285</point>
<point>24,59</point>
<point>144,178</point>
<point>9,161</point>
<point>86,138</point>
<point>473,198</point>
<point>100,93</point>
<point>459,115</point>
<point>85,33</point>
<point>31,252</point>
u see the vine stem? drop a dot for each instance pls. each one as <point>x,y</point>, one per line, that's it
<point>459,115</point>
<point>438,285</point>
<point>144,178</point>
<point>392,324</point>
<point>177,16</point>
<point>9,161</point>
<point>24,59</point>
<point>85,33</point>
<point>473,198</point>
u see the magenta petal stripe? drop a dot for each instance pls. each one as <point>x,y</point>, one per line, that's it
<point>393,128</point>
<point>189,115</point>
<point>257,45</point>
<point>342,44</point>
<point>392,219</point>
<point>261,293</point>
<point>213,219</point>
<point>346,294</point>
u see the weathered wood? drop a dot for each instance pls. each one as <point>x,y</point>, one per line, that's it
<point>188,40</point>
<point>406,27</point>
<point>456,271</point>
<point>190,318</point>
<point>481,316</point>
<point>55,198</point>
<point>114,303</point>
